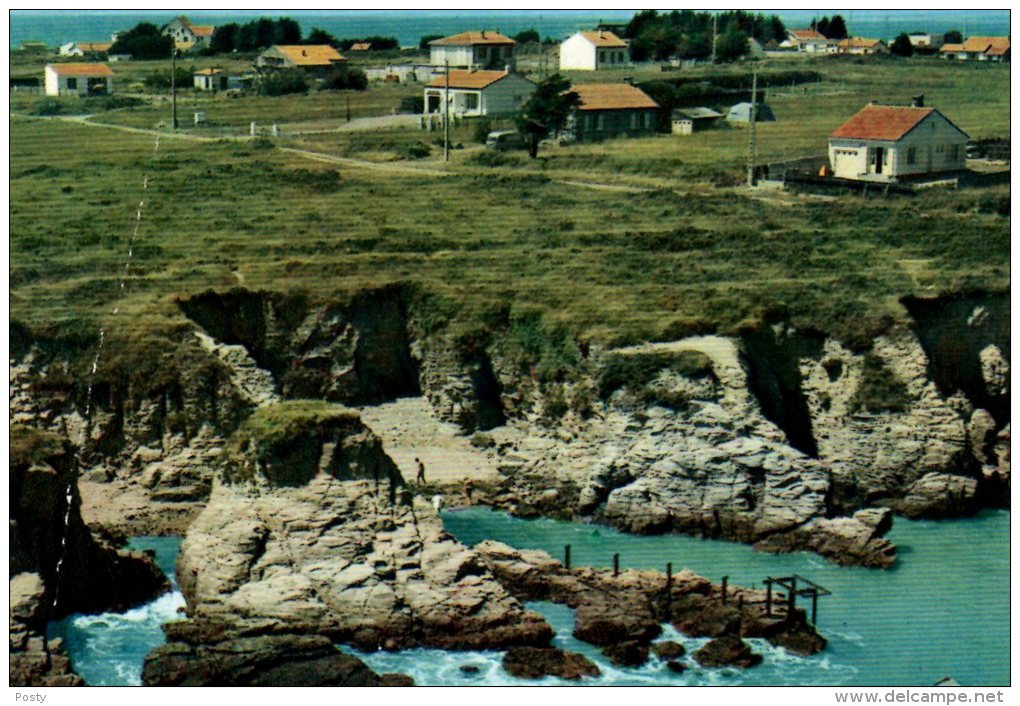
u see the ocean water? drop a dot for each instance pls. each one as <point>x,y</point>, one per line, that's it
<point>58,27</point>
<point>109,649</point>
<point>942,611</point>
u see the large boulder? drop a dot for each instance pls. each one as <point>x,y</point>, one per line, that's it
<point>538,662</point>
<point>727,651</point>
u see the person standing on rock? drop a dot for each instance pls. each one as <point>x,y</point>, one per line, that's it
<point>420,478</point>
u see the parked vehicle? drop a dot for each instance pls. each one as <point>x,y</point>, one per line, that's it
<point>503,140</point>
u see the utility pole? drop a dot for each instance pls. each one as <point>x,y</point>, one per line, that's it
<point>715,34</point>
<point>173,82</point>
<point>754,122</point>
<point>446,120</point>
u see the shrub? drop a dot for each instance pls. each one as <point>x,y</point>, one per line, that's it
<point>482,129</point>
<point>344,79</point>
<point>635,372</point>
<point>491,158</point>
<point>160,80</point>
<point>48,107</point>
<point>416,150</point>
<point>284,82</point>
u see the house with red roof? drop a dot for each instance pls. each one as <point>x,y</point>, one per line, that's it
<point>978,49</point>
<point>187,35</point>
<point>889,142</point>
<point>478,93</point>
<point>90,79</point>
<point>474,50</point>
<point>612,110</point>
<point>809,41</point>
<point>591,51</point>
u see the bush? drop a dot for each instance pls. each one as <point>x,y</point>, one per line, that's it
<point>160,80</point>
<point>635,372</point>
<point>492,158</point>
<point>482,129</point>
<point>344,79</point>
<point>416,150</point>
<point>412,104</point>
<point>284,82</point>
<point>48,107</point>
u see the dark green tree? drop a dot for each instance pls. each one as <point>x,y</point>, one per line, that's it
<point>143,41</point>
<point>321,36</point>
<point>954,36</point>
<point>286,31</point>
<point>281,83</point>
<point>527,36</point>
<point>732,44</point>
<point>901,46</point>
<point>343,78</point>
<point>547,110</point>
<point>224,38</point>
<point>837,28</point>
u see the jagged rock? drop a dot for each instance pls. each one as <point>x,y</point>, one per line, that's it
<point>610,619</point>
<point>939,495</point>
<point>267,660</point>
<point>798,639</point>
<point>627,654</point>
<point>727,651</point>
<point>395,680</point>
<point>34,660</point>
<point>697,615</point>
<point>850,541</point>
<point>982,434</point>
<point>994,370</point>
<point>668,649</point>
<point>538,662</point>
<point>676,667</point>
<point>333,545</point>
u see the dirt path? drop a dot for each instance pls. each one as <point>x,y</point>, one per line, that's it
<point>409,431</point>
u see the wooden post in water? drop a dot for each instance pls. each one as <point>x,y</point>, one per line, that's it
<point>725,585</point>
<point>768,598</point>
<point>669,576</point>
<point>616,565</point>
<point>814,606</point>
<point>791,598</point>
<point>740,616</point>
<point>566,557</point>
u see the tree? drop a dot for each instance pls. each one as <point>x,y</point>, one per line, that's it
<point>732,44</point>
<point>901,46</point>
<point>837,28</point>
<point>527,36</point>
<point>280,83</point>
<point>547,110</point>
<point>224,38</point>
<point>321,36</point>
<point>954,36</point>
<point>424,43</point>
<point>144,41</point>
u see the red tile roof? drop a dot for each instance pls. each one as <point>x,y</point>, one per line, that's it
<point>986,44</point>
<point>309,54</point>
<point>611,96</point>
<point>804,34</point>
<point>882,122</point>
<point>469,79</point>
<point>202,30</point>
<point>606,40</point>
<point>470,38</point>
<point>81,69</point>
<point>361,46</point>
<point>94,46</point>
<point>951,48</point>
<point>208,72</point>
<point>862,42</point>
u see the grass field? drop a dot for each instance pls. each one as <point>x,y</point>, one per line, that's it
<point>698,253</point>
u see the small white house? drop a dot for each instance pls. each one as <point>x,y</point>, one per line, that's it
<point>861,46</point>
<point>591,51</point>
<point>83,48</point>
<point>78,80</point>
<point>809,41</point>
<point>478,93</point>
<point>211,80</point>
<point>926,40</point>
<point>474,50</point>
<point>885,143</point>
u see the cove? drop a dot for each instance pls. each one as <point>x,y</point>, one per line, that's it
<point>942,610</point>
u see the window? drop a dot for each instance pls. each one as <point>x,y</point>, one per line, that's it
<point>954,152</point>
<point>635,121</point>
<point>600,122</point>
<point>471,101</point>
<point>911,155</point>
<point>72,84</point>
<point>602,57</point>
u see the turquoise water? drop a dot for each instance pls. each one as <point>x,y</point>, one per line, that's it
<point>109,649</point>
<point>942,610</point>
<point>925,619</point>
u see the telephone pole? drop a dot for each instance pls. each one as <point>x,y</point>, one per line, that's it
<point>754,122</point>
<point>173,83</point>
<point>446,118</point>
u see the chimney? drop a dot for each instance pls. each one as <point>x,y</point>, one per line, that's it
<point>918,101</point>
<point>483,34</point>
<point>602,34</point>
<point>304,52</point>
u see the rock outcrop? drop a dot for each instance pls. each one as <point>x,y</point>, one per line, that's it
<point>727,651</point>
<point>313,532</point>
<point>538,662</point>
<point>34,660</point>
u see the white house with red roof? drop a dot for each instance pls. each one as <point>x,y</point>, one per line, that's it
<point>474,50</point>
<point>478,93</point>
<point>591,51</point>
<point>186,34</point>
<point>886,143</point>
<point>809,41</point>
<point>91,79</point>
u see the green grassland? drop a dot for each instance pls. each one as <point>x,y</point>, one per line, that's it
<point>697,253</point>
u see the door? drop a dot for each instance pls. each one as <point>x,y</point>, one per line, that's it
<point>879,158</point>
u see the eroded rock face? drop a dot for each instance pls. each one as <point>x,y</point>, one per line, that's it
<point>939,495</point>
<point>34,660</point>
<point>352,559</point>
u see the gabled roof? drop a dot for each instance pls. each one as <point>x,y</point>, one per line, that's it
<point>208,72</point>
<point>806,34</point>
<point>361,46</point>
<point>884,122</point>
<point>201,30</point>
<point>604,40</point>
<point>696,113</point>
<point>986,44</point>
<point>85,70</point>
<point>859,42</point>
<point>471,38</point>
<point>469,79</point>
<point>611,96</point>
<point>308,54</point>
<point>951,48</point>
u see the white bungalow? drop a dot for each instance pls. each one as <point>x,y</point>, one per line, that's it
<point>477,93</point>
<point>474,50</point>
<point>886,143</point>
<point>591,51</point>
<point>78,79</point>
